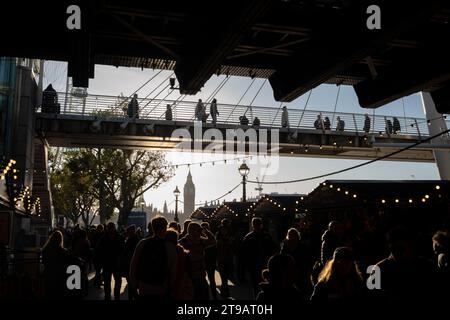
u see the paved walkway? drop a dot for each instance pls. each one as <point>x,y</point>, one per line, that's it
<point>237,291</point>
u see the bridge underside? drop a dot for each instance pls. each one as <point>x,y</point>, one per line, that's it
<point>297,45</point>
<point>76,131</point>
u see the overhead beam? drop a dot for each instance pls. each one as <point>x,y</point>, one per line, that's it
<point>416,72</point>
<point>441,98</point>
<point>213,39</point>
<point>348,41</point>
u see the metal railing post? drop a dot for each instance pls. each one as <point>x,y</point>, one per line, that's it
<point>356,125</point>
<point>417,126</point>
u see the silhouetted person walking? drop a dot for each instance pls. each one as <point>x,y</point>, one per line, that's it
<point>153,266</point>
<point>366,127</point>
<point>200,111</point>
<point>56,259</point>
<point>396,125</point>
<point>331,239</point>
<point>98,234</point>
<point>285,118</point>
<point>340,126</point>
<point>196,241</point>
<point>279,281</point>
<point>303,264</point>
<point>388,127</point>
<point>131,242</point>
<point>210,264</point>
<point>225,256</point>
<point>327,123</point>
<point>405,276</point>
<point>340,281</point>
<point>214,111</point>
<point>109,250</point>
<point>318,124</point>
<point>169,116</point>
<point>243,120</point>
<point>258,246</point>
<point>133,108</point>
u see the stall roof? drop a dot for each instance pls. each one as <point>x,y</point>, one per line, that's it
<point>369,190</point>
<point>234,207</point>
<point>203,212</point>
<point>283,201</point>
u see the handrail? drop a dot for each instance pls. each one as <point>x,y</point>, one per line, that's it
<point>104,106</point>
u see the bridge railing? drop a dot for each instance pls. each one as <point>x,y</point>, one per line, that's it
<point>113,107</point>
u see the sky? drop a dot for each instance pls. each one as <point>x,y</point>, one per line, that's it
<point>213,181</point>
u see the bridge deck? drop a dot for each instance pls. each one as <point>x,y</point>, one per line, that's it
<point>73,128</point>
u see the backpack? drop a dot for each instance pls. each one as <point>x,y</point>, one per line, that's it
<point>153,265</point>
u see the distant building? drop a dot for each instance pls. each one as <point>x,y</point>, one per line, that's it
<point>165,210</point>
<point>189,196</point>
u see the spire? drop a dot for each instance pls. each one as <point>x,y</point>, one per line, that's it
<point>165,211</point>
<point>189,178</point>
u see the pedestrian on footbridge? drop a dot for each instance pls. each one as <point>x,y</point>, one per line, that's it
<point>169,115</point>
<point>285,118</point>
<point>214,111</point>
<point>133,108</point>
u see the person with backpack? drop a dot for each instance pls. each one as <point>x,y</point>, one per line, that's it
<point>153,266</point>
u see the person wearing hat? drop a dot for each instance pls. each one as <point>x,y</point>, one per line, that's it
<point>340,279</point>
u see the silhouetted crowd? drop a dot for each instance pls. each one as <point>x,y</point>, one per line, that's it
<point>174,264</point>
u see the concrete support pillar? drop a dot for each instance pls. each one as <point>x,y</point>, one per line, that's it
<point>436,125</point>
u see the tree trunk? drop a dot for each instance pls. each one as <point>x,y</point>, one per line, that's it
<point>85,218</point>
<point>101,204</point>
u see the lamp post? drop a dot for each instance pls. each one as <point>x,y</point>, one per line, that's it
<point>176,193</point>
<point>244,171</point>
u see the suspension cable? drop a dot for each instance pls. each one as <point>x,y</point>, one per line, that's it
<point>335,105</point>
<point>251,103</point>
<point>356,166</point>
<point>242,97</point>
<point>217,89</point>
<point>156,88</point>
<point>404,114</point>
<point>143,85</point>
<point>162,90</point>
<point>222,196</point>
<point>278,110</point>
<point>306,104</point>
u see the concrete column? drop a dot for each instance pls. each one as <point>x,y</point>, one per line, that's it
<point>437,124</point>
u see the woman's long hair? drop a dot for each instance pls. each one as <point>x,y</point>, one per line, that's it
<point>54,241</point>
<point>329,273</point>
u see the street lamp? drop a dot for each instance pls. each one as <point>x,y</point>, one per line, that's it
<point>244,171</point>
<point>176,193</point>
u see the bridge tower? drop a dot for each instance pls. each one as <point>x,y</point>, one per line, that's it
<point>189,196</point>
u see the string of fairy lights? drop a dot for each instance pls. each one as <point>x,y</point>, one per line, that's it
<point>427,196</point>
<point>18,194</point>
<point>301,204</point>
<point>212,162</point>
